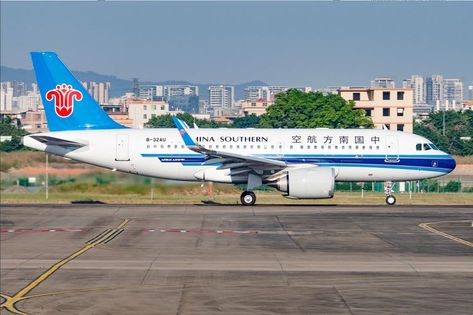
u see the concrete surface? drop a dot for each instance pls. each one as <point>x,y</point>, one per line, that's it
<point>211,259</point>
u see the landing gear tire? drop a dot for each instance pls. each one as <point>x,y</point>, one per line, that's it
<point>248,198</point>
<point>390,200</point>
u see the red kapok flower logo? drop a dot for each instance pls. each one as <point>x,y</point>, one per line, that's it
<point>64,96</point>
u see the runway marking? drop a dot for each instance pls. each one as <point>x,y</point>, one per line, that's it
<point>38,230</point>
<point>201,231</point>
<point>10,301</point>
<point>427,226</point>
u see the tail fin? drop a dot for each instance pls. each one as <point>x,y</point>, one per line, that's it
<point>67,104</point>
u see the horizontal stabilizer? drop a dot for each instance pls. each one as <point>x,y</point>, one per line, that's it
<point>48,140</point>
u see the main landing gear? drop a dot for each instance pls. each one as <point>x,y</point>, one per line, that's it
<point>248,198</point>
<point>388,189</point>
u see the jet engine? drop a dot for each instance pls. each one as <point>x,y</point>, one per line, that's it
<point>307,183</point>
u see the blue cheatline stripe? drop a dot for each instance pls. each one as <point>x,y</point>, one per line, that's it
<point>420,164</point>
<point>308,155</point>
<point>405,167</point>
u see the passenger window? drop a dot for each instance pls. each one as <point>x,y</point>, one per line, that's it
<point>419,147</point>
<point>302,147</point>
<point>290,147</point>
<point>426,147</point>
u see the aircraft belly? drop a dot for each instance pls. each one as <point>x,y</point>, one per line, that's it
<point>361,174</point>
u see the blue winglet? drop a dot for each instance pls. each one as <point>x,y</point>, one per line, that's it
<point>183,132</point>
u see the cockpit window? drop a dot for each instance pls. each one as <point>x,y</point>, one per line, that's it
<point>419,147</point>
<point>426,147</point>
<point>433,146</point>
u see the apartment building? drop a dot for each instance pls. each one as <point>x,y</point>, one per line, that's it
<point>390,108</point>
<point>140,111</point>
<point>256,107</point>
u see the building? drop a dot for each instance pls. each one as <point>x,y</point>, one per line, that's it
<point>256,107</point>
<point>388,108</point>
<point>385,83</point>
<point>434,89</point>
<point>6,97</point>
<point>100,91</point>
<point>29,102</point>
<point>470,92</point>
<point>417,83</point>
<point>221,96</point>
<point>185,103</point>
<point>140,111</point>
<point>180,90</point>
<point>122,118</point>
<point>422,111</point>
<point>268,93</point>
<point>34,121</point>
<point>453,90</point>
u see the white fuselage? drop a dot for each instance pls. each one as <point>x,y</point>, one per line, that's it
<point>355,154</point>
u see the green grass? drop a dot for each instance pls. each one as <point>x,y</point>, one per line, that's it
<point>233,198</point>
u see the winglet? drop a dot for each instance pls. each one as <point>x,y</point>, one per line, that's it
<point>181,127</point>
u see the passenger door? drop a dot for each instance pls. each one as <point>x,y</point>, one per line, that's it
<point>392,149</point>
<point>122,148</point>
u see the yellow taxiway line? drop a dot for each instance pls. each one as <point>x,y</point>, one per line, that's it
<point>427,226</point>
<point>10,301</point>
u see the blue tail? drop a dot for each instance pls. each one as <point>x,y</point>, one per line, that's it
<point>67,104</point>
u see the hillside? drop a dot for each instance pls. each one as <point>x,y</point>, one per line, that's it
<point>119,86</point>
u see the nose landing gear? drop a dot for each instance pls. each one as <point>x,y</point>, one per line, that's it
<point>248,198</point>
<point>390,200</point>
<point>388,189</point>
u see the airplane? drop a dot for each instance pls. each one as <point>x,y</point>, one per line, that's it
<point>300,163</point>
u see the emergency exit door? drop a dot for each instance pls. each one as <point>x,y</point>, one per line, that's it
<point>122,148</point>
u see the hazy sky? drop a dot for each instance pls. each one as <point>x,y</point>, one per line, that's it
<point>303,43</point>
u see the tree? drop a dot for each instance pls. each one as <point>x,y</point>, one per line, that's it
<point>7,128</point>
<point>250,121</point>
<point>457,125</point>
<point>165,121</point>
<point>297,109</point>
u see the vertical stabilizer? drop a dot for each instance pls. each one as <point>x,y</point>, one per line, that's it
<point>67,103</point>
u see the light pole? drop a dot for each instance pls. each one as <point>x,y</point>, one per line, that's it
<point>47,176</point>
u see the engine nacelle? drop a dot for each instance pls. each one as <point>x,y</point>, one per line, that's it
<point>307,183</point>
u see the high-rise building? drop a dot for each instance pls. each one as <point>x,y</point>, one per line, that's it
<point>254,93</point>
<point>179,90</point>
<point>221,96</point>
<point>6,97</point>
<point>434,89</point>
<point>417,83</point>
<point>268,93</point>
<point>99,91</point>
<point>470,92</point>
<point>384,83</point>
<point>29,102</point>
<point>185,103</point>
<point>453,90</point>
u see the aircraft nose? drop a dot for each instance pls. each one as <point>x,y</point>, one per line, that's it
<point>450,163</point>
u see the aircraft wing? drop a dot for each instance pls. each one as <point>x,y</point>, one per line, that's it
<point>48,140</point>
<point>238,163</point>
